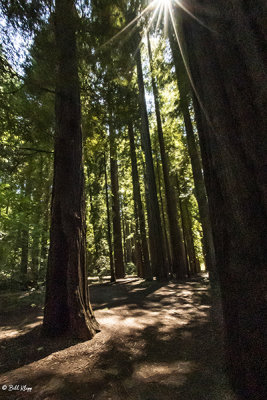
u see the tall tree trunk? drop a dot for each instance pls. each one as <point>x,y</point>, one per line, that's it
<point>25,234</point>
<point>154,223</point>
<point>67,305</point>
<point>116,214</point>
<point>112,272</point>
<point>138,209</point>
<point>36,234</point>
<point>164,225</point>
<point>123,234</point>
<point>184,232</point>
<point>35,254</point>
<point>178,261</point>
<point>200,189</point>
<point>45,231</point>
<point>128,248</point>
<point>227,68</point>
<point>94,225</point>
<point>188,233</point>
<point>24,241</point>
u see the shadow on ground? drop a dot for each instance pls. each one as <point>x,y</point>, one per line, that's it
<point>156,343</point>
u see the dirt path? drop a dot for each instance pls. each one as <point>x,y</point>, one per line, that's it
<point>156,343</point>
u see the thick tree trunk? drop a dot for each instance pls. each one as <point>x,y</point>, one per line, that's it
<point>154,223</point>
<point>227,68</point>
<point>116,215</point>
<point>200,189</point>
<point>178,262</point>
<point>111,260</point>
<point>141,240</point>
<point>67,306</point>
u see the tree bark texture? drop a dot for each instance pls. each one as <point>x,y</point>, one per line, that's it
<point>228,64</point>
<point>200,189</point>
<point>67,307</point>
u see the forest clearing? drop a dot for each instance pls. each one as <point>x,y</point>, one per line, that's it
<point>156,342</point>
<point>133,199</point>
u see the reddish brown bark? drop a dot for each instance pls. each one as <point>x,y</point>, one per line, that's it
<point>67,306</point>
<point>227,65</point>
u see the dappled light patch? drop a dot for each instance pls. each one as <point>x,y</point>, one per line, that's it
<point>165,373</point>
<point>156,342</point>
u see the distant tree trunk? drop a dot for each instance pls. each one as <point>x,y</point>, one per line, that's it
<point>123,235</point>
<point>138,209</point>
<point>164,225</point>
<point>25,236</point>
<point>188,232</point>
<point>93,222</point>
<point>112,272</point>
<point>36,234</point>
<point>116,215</point>
<point>45,232</point>
<point>44,248</point>
<point>24,255</point>
<point>193,265</point>
<point>178,261</point>
<point>67,306</point>
<point>138,256</point>
<point>128,242</point>
<point>35,255</point>
<point>228,70</point>
<point>154,223</point>
<point>200,189</point>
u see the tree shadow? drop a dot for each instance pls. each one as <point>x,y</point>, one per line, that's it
<point>29,347</point>
<point>123,293</point>
<point>155,358</point>
<point>162,367</point>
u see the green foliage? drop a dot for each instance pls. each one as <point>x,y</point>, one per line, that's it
<point>108,81</point>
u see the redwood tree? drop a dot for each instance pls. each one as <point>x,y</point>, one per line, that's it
<point>157,253</point>
<point>141,239</point>
<point>178,262</point>
<point>227,63</point>
<point>116,207</point>
<point>67,306</point>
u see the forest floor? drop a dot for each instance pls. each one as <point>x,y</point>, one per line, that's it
<point>156,343</point>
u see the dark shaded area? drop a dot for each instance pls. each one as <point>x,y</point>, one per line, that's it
<point>127,292</point>
<point>29,347</point>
